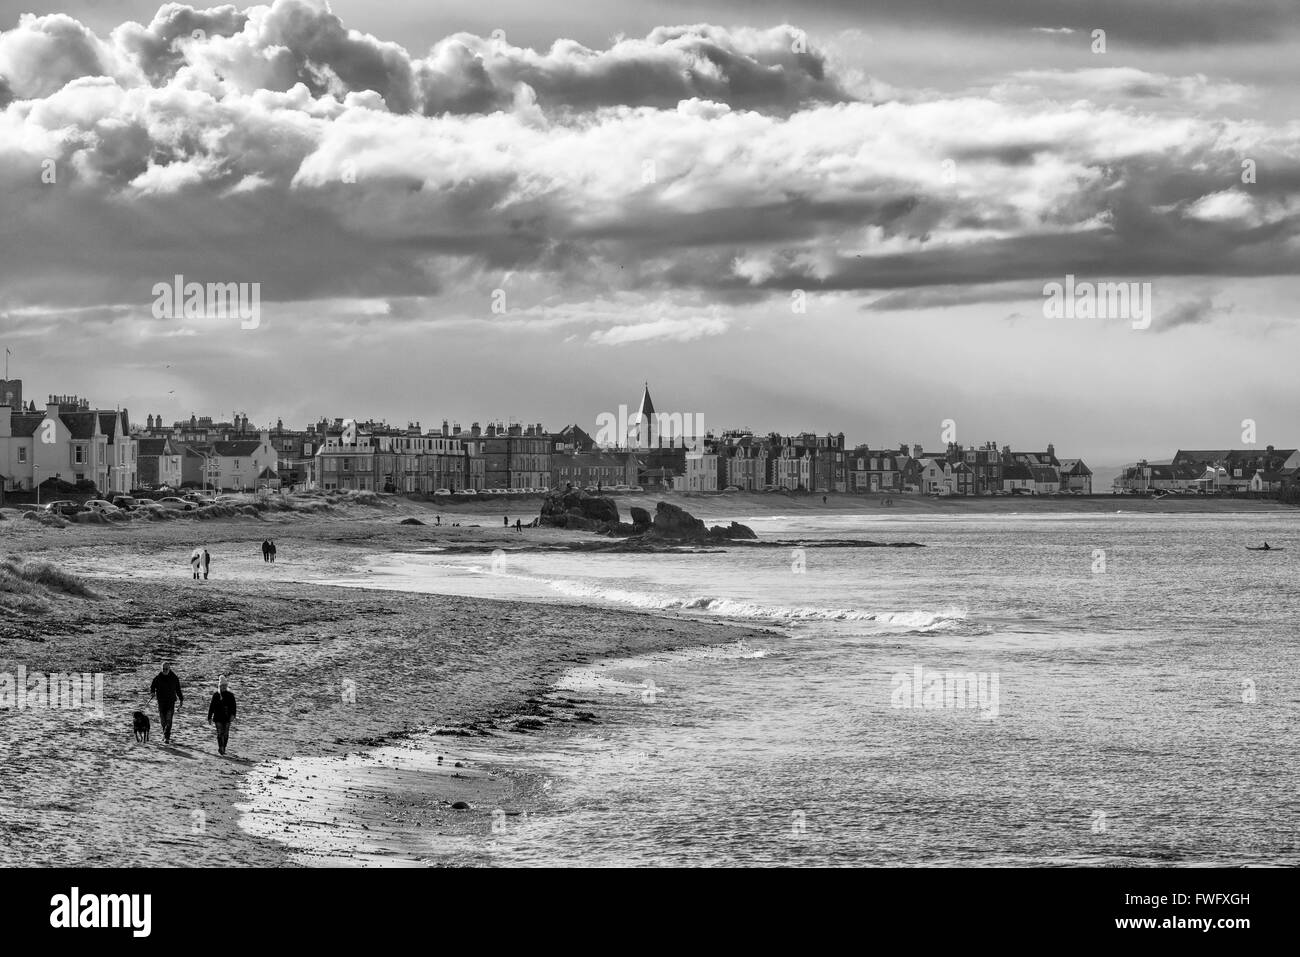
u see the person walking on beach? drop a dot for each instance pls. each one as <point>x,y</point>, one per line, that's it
<point>505,520</point>
<point>166,687</point>
<point>272,551</point>
<point>207,560</point>
<point>518,525</point>
<point>221,712</point>
<point>266,550</point>
<point>196,559</point>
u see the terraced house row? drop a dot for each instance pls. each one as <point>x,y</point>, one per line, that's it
<point>73,442</point>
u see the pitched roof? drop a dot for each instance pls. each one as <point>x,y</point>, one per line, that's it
<point>1016,470</point>
<point>25,426</point>
<point>152,447</point>
<point>573,435</point>
<point>109,423</point>
<point>80,424</point>
<point>1201,456</point>
<point>1045,473</point>
<point>240,449</point>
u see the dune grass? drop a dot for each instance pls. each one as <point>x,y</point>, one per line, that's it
<point>40,579</point>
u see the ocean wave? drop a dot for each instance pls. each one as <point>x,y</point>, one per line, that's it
<point>754,611</point>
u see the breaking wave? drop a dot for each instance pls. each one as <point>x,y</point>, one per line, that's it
<point>754,611</point>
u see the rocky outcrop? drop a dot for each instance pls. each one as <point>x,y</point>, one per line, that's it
<point>733,531</point>
<point>674,522</point>
<point>678,524</point>
<point>575,509</point>
<point>578,511</point>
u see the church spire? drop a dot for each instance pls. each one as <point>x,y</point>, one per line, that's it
<point>646,420</point>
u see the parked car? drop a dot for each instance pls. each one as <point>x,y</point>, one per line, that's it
<point>62,507</point>
<point>442,491</point>
<point>102,506</point>
<point>126,502</point>
<point>732,488</point>
<point>176,504</point>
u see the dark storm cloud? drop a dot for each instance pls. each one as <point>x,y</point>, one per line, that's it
<point>1127,22</point>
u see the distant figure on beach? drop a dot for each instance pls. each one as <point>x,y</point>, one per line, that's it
<point>506,521</point>
<point>518,525</point>
<point>266,550</point>
<point>437,519</point>
<point>273,551</point>
<point>221,712</point>
<point>823,499</point>
<point>166,687</point>
<point>207,560</point>
<point>196,561</point>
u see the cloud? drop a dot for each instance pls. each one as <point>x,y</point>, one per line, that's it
<point>942,297</point>
<point>282,147</point>
<point>1138,22</point>
<point>671,330</point>
<point>293,42</point>
<point>1116,83</point>
<point>1192,312</point>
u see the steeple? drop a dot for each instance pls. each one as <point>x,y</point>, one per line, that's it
<point>646,421</point>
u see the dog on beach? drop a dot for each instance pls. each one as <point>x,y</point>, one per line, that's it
<point>141,722</point>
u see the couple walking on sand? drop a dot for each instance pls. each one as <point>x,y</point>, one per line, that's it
<point>166,687</point>
<point>200,560</point>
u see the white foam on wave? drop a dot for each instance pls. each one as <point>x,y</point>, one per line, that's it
<point>598,677</point>
<point>754,611</point>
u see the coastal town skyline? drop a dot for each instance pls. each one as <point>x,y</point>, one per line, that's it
<point>289,455</point>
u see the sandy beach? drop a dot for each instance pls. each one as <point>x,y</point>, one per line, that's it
<point>345,681</point>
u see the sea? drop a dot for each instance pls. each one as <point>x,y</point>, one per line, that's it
<point>1025,689</point>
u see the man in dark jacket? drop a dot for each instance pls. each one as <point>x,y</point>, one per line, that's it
<point>221,712</point>
<point>166,687</point>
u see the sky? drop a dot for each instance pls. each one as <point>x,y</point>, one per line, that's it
<point>824,216</point>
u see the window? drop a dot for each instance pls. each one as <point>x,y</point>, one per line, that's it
<point>79,455</point>
<point>22,455</point>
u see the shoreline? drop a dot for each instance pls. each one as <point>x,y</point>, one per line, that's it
<point>78,790</point>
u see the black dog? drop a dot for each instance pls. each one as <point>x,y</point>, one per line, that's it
<point>141,722</point>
